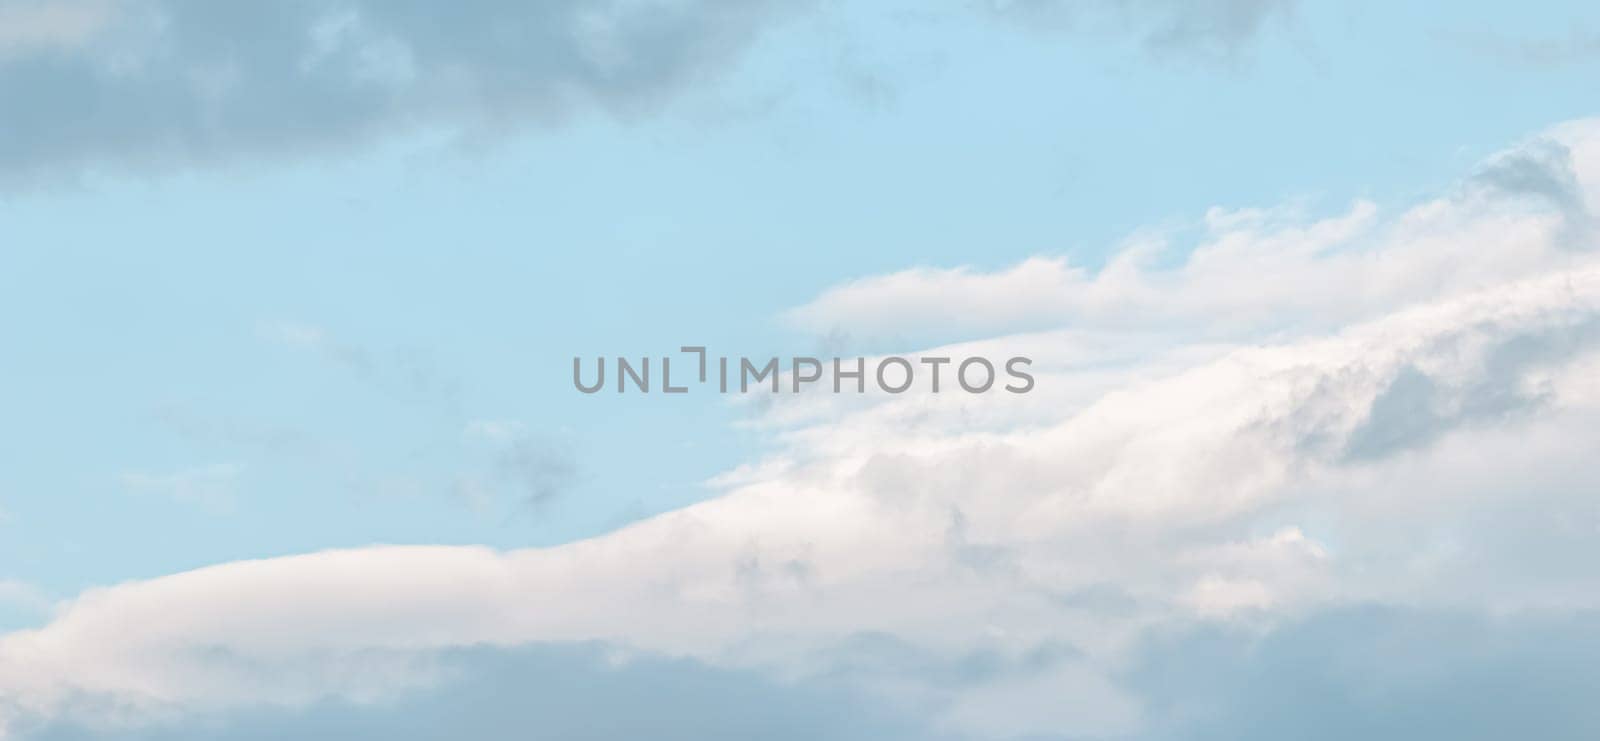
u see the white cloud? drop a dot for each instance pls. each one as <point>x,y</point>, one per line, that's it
<point>1432,448</point>
<point>1256,270</point>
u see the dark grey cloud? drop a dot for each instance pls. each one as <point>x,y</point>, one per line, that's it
<point>1541,170</point>
<point>140,85</point>
<point>164,83</point>
<point>1415,408</point>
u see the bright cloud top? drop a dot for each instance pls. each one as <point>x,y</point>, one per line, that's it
<point>1524,212</point>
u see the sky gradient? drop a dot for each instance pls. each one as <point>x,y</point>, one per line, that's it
<point>290,293</point>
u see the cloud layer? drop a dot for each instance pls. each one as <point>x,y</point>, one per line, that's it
<point>1399,412</point>
<point>139,86</point>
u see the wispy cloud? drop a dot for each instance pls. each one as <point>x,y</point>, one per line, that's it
<point>534,469</point>
<point>1218,31</point>
<point>213,486</point>
<point>22,594</point>
<point>503,459</point>
<point>407,373</point>
<point>1578,46</point>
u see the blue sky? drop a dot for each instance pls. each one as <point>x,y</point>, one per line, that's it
<point>253,307</point>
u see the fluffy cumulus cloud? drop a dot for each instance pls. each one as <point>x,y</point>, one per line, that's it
<point>1360,504</point>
